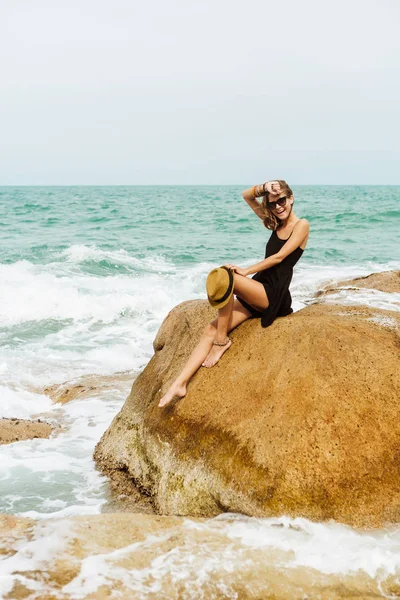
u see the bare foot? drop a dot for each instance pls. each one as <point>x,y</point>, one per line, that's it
<point>175,390</point>
<point>215,354</point>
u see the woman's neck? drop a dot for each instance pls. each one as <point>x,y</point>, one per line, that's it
<point>291,220</point>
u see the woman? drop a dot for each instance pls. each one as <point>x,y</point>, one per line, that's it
<point>266,295</point>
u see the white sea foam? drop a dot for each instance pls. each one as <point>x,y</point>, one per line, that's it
<point>307,281</point>
<point>79,253</point>
<point>326,547</point>
<point>60,469</point>
<point>232,549</point>
<point>30,294</point>
<point>83,324</point>
<point>49,539</point>
<point>39,293</point>
<point>372,298</point>
<point>22,404</point>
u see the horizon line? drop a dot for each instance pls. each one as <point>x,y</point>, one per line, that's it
<point>13,185</point>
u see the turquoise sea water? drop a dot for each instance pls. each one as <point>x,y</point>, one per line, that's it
<point>187,225</point>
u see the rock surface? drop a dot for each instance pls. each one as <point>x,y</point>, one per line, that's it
<point>387,281</point>
<point>133,557</point>
<point>88,386</point>
<point>301,419</point>
<point>16,430</point>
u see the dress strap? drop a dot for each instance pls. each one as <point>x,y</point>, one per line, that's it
<point>280,239</point>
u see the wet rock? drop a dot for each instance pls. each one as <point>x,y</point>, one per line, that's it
<point>301,419</point>
<point>387,281</point>
<point>140,556</point>
<point>88,386</point>
<point>16,430</point>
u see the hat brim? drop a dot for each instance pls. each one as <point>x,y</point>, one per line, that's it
<point>228,294</point>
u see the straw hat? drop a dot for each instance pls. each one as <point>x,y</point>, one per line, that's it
<point>219,286</point>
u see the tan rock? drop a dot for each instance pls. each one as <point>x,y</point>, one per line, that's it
<point>301,418</point>
<point>88,386</point>
<point>387,281</point>
<point>16,430</point>
<point>133,557</point>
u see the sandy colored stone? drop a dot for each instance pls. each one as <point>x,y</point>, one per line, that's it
<point>387,281</point>
<point>88,386</point>
<point>125,495</point>
<point>141,556</point>
<point>16,430</point>
<point>11,529</point>
<point>301,419</point>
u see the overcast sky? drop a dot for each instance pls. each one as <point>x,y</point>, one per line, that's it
<point>206,92</point>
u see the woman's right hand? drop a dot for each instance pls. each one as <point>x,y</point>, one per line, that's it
<point>273,188</point>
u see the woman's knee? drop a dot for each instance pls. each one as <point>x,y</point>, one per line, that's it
<point>210,330</point>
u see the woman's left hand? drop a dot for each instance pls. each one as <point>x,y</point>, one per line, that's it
<point>237,270</point>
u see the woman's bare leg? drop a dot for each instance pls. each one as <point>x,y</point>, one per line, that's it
<point>252,292</point>
<point>229,317</point>
<point>237,314</point>
<point>221,337</point>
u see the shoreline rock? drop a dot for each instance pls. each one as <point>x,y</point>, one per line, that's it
<point>301,418</point>
<point>17,430</point>
<point>387,281</point>
<point>88,386</point>
<point>137,556</point>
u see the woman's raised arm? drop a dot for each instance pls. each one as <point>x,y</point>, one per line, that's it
<point>250,195</point>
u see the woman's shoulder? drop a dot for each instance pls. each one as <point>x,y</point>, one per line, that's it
<point>302,224</point>
<point>299,223</point>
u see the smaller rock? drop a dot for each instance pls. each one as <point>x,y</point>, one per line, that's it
<point>17,430</point>
<point>387,281</point>
<point>89,386</point>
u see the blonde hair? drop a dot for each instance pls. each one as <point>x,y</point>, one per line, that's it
<point>269,219</point>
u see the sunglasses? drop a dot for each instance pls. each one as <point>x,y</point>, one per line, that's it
<point>280,202</point>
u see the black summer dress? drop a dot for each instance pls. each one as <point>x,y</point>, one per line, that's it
<point>276,281</point>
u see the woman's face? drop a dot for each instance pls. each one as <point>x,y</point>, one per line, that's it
<point>281,211</point>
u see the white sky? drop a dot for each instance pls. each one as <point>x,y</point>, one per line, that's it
<point>221,91</point>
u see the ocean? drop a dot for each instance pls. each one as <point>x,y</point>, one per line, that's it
<point>87,276</point>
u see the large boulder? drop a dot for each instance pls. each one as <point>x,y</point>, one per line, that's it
<point>301,419</point>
